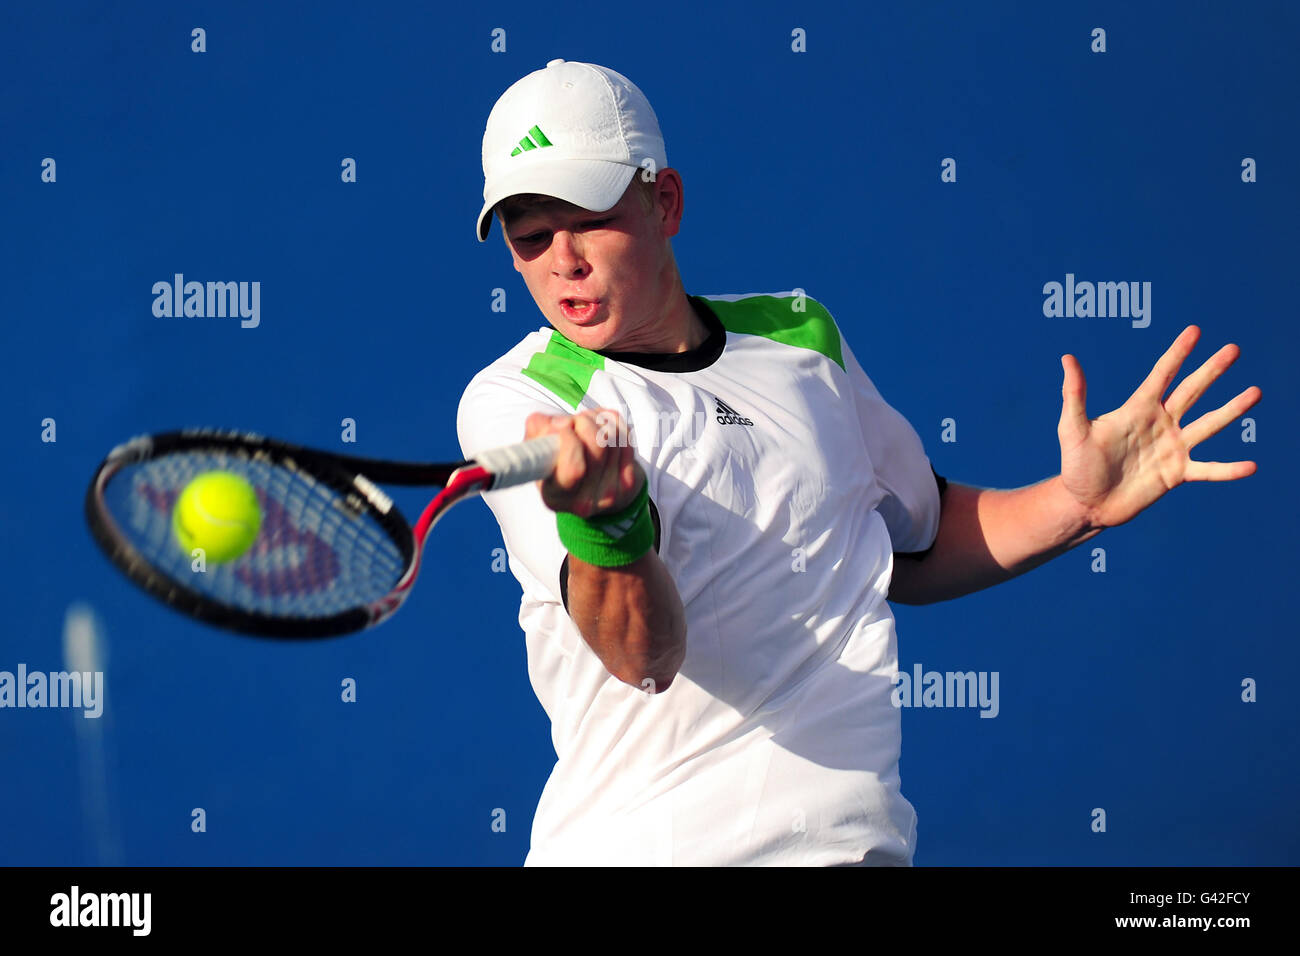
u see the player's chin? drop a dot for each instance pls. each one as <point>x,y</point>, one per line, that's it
<point>598,335</point>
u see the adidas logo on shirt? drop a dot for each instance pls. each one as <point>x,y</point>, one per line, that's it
<point>729,416</point>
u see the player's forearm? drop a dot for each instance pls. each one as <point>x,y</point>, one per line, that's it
<point>632,617</point>
<point>987,536</point>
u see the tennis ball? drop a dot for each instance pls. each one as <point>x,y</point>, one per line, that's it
<point>218,512</point>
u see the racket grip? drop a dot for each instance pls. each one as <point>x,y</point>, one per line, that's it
<point>518,464</point>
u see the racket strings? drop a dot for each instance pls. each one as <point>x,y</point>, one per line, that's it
<point>315,554</point>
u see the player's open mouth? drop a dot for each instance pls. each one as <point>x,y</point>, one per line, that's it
<point>579,309</point>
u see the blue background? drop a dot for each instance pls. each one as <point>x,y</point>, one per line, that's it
<point>817,170</point>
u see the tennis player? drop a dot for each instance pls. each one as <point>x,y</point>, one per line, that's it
<point>705,576</point>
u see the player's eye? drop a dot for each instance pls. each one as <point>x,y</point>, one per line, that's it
<point>539,236</point>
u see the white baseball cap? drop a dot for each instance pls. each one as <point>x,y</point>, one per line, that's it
<point>575,131</point>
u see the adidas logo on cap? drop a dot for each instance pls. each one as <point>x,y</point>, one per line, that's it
<point>535,139</point>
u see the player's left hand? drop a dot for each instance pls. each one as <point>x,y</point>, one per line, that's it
<point>1118,464</point>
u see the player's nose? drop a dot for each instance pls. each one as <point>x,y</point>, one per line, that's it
<point>567,254</point>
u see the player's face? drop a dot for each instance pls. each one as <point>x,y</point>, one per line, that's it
<point>602,279</point>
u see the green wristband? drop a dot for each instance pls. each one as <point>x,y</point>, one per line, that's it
<point>610,541</point>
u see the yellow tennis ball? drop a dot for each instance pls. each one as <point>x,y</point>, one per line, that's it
<point>218,512</point>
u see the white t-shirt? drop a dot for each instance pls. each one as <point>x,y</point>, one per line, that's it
<point>782,484</point>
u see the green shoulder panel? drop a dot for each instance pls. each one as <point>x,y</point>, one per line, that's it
<point>564,369</point>
<point>792,320</point>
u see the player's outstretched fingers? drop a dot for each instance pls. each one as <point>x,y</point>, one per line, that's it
<point>1073,425</point>
<point>1213,422</point>
<point>1191,388</point>
<point>1167,366</point>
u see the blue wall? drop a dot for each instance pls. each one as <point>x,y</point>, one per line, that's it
<point>821,170</point>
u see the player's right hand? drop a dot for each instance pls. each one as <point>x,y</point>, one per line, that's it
<point>596,471</point>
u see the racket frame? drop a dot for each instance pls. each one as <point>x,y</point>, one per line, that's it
<point>353,478</point>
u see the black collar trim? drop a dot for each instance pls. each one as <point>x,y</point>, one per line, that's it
<point>700,357</point>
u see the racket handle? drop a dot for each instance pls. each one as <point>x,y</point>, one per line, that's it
<point>518,464</point>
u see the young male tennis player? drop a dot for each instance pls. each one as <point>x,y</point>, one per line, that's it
<point>705,575</point>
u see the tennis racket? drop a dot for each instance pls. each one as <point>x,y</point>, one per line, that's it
<point>333,554</point>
